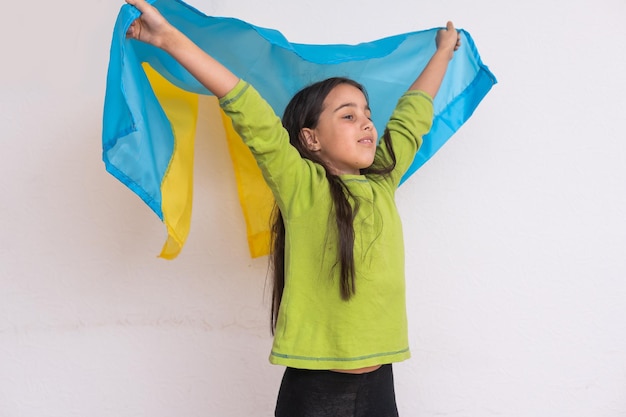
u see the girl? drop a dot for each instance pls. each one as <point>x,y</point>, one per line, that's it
<point>338,310</point>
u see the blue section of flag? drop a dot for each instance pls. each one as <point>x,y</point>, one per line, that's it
<point>137,137</point>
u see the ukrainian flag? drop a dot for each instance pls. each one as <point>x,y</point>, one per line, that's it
<point>151,104</point>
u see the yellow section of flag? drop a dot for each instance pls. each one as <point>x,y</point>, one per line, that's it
<point>181,108</point>
<point>255,196</point>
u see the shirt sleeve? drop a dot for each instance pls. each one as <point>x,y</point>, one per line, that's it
<point>287,174</point>
<point>410,121</point>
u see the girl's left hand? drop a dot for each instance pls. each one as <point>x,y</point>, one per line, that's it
<point>448,39</point>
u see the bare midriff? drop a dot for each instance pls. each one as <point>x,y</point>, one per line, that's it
<point>358,371</point>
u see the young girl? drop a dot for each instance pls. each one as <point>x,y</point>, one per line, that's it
<point>338,310</point>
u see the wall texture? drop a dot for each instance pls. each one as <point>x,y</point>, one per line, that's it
<point>515,231</point>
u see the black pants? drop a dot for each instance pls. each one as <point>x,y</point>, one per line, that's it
<point>306,393</point>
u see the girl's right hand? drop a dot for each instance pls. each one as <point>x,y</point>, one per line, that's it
<point>150,26</point>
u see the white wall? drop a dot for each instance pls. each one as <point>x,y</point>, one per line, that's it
<point>516,230</point>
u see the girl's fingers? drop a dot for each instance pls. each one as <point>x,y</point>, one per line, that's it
<point>141,5</point>
<point>450,28</point>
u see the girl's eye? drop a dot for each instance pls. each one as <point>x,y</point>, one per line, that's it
<point>348,117</point>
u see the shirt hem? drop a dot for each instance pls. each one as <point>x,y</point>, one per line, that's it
<point>320,363</point>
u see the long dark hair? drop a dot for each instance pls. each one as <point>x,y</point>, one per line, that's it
<point>303,111</point>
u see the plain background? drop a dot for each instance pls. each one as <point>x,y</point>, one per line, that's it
<point>515,230</point>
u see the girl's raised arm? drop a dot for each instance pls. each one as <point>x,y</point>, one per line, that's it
<point>154,29</point>
<point>430,79</point>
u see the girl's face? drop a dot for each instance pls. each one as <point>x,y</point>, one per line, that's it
<point>345,137</point>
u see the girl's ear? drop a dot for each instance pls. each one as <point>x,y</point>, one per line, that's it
<point>308,137</point>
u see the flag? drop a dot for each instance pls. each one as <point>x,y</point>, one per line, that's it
<point>151,104</point>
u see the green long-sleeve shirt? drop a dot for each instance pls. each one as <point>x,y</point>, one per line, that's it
<point>316,329</point>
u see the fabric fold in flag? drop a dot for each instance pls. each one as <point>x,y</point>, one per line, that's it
<point>151,105</point>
